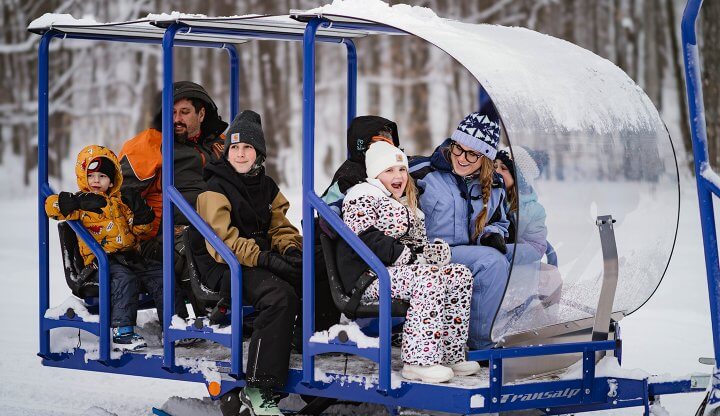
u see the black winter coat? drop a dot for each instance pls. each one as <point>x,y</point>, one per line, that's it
<point>250,197</point>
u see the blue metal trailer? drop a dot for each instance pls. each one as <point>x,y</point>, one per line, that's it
<point>526,366</point>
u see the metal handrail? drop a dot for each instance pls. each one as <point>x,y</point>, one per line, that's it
<point>705,187</point>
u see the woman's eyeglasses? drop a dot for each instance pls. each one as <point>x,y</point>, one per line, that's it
<point>470,156</point>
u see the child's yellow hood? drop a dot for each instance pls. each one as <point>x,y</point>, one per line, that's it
<point>84,158</point>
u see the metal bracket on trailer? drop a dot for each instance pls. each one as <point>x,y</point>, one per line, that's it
<point>601,327</point>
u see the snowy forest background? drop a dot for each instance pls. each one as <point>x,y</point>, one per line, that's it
<point>104,93</point>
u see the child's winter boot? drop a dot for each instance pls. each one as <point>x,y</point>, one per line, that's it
<point>427,373</point>
<point>465,368</point>
<point>124,338</point>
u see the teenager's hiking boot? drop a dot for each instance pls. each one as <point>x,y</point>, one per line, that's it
<point>124,339</point>
<point>427,373</point>
<point>231,405</point>
<point>465,368</point>
<point>262,402</point>
<point>219,314</point>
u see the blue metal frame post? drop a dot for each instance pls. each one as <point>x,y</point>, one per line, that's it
<point>351,80</point>
<point>705,186</point>
<point>104,279</point>
<point>236,316</point>
<point>102,330</point>
<point>173,198</point>
<point>43,189</point>
<point>308,186</point>
<point>311,202</point>
<point>168,181</point>
<point>234,79</point>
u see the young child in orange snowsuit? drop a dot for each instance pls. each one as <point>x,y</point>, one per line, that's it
<point>116,223</point>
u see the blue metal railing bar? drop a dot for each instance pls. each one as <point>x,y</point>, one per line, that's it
<point>133,39</point>
<point>43,191</point>
<point>538,350</point>
<point>385,316</point>
<point>236,315</point>
<point>77,322</point>
<point>369,353</point>
<point>705,187</point>
<point>168,181</point>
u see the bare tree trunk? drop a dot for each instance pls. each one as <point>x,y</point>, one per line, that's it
<point>651,72</point>
<point>675,59</point>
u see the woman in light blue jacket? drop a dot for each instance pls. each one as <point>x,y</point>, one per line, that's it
<point>528,236</point>
<point>527,240</point>
<point>463,202</point>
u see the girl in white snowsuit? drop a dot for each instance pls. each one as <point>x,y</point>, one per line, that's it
<point>436,326</point>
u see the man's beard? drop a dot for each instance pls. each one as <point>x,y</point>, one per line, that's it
<point>183,135</point>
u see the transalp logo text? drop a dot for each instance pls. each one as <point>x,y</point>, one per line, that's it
<point>505,398</point>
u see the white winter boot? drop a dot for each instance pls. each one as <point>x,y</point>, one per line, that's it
<point>465,368</point>
<point>427,373</point>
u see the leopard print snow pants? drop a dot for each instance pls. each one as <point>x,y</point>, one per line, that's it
<point>436,325</point>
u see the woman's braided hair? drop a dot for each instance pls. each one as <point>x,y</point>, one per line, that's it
<point>485,175</point>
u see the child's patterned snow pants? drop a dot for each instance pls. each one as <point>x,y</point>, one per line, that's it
<point>436,326</point>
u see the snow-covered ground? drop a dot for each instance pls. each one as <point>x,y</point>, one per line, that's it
<point>666,336</point>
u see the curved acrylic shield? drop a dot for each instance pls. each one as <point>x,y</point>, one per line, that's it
<point>599,148</point>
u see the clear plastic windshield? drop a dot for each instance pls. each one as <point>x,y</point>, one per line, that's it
<point>603,150</point>
<point>574,179</point>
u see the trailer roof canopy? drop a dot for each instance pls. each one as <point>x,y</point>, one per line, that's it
<point>202,29</point>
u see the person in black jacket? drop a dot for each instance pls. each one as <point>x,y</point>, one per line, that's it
<point>197,129</point>
<point>197,133</point>
<point>246,209</point>
<point>363,131</point>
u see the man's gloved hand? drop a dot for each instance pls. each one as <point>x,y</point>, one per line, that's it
<point>495,241</point>
<point>86,201</point>
<point>142,213</point>
<point>437,252</point>
<point>279,265</point>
